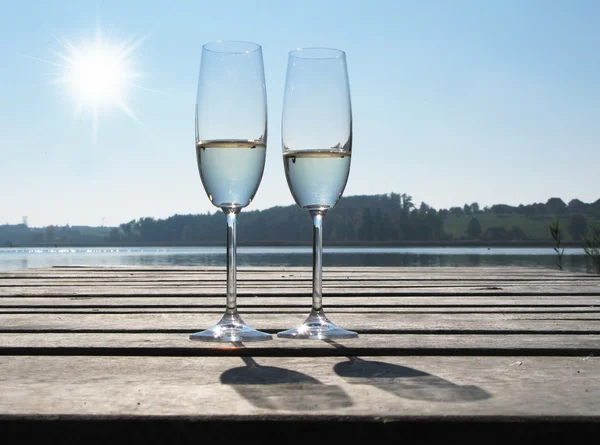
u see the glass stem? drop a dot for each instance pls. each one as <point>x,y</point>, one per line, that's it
<point>231,217</point>
<point>317,299</point>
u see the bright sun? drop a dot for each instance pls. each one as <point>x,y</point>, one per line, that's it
<point>98,75</point>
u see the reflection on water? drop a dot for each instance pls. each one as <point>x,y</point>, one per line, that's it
<point>12,259</point>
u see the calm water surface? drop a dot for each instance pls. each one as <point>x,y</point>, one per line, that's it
<point>20,258</point>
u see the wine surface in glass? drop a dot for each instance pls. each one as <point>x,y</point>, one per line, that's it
<point>316,178</point>
<point>231,170</point>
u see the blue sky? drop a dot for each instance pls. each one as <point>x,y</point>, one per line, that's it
<point>453,102</point>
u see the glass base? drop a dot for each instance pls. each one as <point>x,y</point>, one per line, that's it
<point>317,327</point>
<point>231,328</point>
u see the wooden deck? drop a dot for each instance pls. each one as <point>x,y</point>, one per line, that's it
<point>445,355</point>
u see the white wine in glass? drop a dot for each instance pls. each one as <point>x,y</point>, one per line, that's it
<point>231,170</point>
<point>316,178</point>
<point>317,150</point>
<point>231,142</point>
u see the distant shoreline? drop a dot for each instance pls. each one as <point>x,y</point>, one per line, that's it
<point>407,244</point>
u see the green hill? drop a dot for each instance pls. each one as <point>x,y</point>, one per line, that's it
<point>535,228</point>
<point>391,219</point>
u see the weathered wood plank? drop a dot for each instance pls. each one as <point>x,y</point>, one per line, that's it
<point>415,273</point>
<point>330,283</point>
<point>254,279</point>
<point>362,322</point>
<point>124,283</point>
<point>570,312</point>
<point>473,387</point>
<point>208,268</point>
<point>513,289</point>
<point>389,273</point>
<point>278,301</point>
<point>385,281</point>
<point>383,344</point>
<point>463,343</point>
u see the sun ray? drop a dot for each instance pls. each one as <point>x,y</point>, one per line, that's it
<point>49,62</point>
<point>123,105</point>
<point>58,40</point>
<point>64,57</point>
<point>130,48</point>
<point>59,81</point>
<point>110,30</point>
<point>78,109</point>
<point>94,124</point>
<point>135,85</point>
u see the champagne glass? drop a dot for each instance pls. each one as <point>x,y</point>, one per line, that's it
<point>317,146</point>
<point>231,136</point>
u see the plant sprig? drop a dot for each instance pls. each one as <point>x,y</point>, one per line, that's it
<point>555,232</point>
<point>592,248</point>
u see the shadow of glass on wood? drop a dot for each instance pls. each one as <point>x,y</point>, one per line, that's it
<point>275,388</point>
<point>408,383</point>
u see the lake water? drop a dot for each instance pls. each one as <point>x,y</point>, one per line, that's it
<point>20,258</point>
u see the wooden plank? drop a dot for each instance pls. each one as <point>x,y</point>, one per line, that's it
<point>585,311</point>
<point>51,285</point>
<point>362,322</point>
<point>274,300</point>
<point>516,289</point>
<point>207,268</point>
<point>390,273</point>
<point>473,387</point>
<point>452,346</point>
<point>260,279</point>
<point>417,273</point>
<point>159,283</point>
<point>266,276</point>
<point>384,281</point>
<point>132,344</point>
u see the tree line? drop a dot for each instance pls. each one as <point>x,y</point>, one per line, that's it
<point>381,218</point>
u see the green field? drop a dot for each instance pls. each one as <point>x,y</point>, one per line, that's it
<point>535,228</point>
